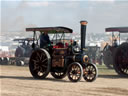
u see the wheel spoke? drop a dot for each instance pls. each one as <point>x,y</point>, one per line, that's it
<point>44,60</point>
<point>38,55</point>
<point>44,66</point>
<point>36,67</point>
<point>35,60</point>
<point>76,77</point>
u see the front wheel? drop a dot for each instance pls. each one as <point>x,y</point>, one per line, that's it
<point>75,72</point>
<point>90,72</point>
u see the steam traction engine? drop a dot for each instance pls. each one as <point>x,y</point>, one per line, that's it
<point>117,54</point>
<point>23,51</point>
<point>61,58</point>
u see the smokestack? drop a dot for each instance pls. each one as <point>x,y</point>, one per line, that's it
<point>83,34</point>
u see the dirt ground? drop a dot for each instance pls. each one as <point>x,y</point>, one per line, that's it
<point>17,81</point>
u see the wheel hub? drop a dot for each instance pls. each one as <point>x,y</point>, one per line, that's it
<point>89,72</point>
<point>74,72</point>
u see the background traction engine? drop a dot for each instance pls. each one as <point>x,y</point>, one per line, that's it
<point>117,54</point>
<point>23,51</point>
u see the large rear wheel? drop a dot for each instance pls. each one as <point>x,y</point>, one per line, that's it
<point>39,63</point>
<point>121,60</point>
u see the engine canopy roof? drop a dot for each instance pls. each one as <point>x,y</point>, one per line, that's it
<point>51,30</point>
<point>117,29</point>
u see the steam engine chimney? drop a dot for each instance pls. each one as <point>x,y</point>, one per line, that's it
<point>83,34</point>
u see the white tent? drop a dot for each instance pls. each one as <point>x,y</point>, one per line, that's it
<point>4,48</point>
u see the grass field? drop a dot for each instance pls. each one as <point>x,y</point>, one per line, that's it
<point>102,69</point>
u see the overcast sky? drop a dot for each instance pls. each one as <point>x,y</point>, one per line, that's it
<point>16,15</point>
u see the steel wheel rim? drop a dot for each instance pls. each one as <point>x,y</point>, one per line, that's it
<point>39,62</point>
<point>121,60</point>
<point>90,72</point>
<point>75,72</point>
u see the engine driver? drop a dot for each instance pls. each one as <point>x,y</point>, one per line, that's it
<point>44,40</point>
